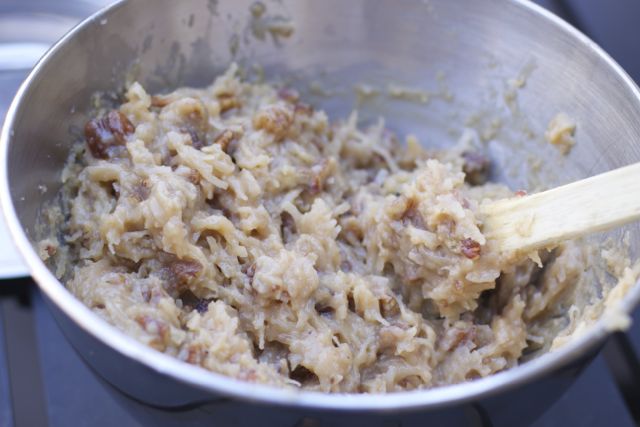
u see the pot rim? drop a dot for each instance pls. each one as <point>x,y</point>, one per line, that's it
<point>220,384</point>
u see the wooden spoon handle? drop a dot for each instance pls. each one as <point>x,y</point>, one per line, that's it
<point>587,206</point>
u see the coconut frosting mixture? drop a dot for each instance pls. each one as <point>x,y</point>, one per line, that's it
<point>236,228</point>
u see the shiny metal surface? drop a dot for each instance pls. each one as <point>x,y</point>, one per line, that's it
<point>469,54</point>
<point>28,28</point>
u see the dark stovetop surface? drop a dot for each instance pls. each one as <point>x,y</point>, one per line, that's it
<point>44,382</point>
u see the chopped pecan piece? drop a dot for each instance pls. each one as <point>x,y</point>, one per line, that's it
<point>470,248</point>
<point>104,133</point>
<point>224,139</point>
<point>194,177</point>
<point>184,270</point>
<point>195,354</point>
<point>154,327</point>
<point>273,119</point>
<point>456,336</point>
<point>320,173</point>
<point>389,306</point>
<point>159,101</point>
<point>228,102</point>
<point>196,138</point>
<point>191,115</point>
<point>477,167</point>
<point>411,214</point>
<point>287,226</point>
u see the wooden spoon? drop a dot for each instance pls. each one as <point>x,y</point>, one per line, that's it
<point>583,207</point>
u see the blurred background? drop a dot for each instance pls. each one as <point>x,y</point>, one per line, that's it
<point>43,382</point>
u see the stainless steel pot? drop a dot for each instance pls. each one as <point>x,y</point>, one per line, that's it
<point>503,67</point>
